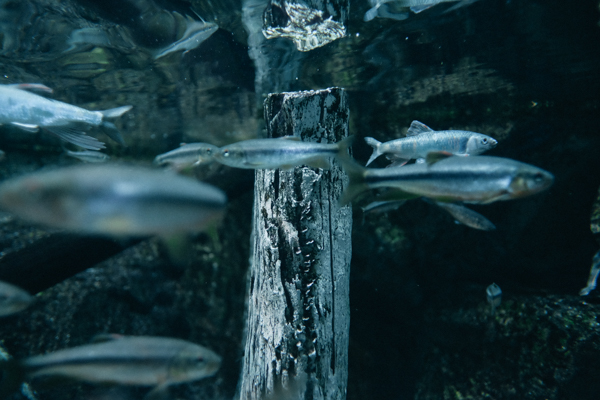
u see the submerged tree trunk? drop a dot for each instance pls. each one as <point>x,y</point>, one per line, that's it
<point>299,314</point>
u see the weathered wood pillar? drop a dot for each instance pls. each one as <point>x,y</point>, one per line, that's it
<point>299,312</point>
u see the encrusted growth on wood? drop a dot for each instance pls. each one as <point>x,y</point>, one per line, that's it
<point>299,315</point>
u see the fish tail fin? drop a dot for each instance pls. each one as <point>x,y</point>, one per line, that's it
<point>375,145</point>
<point>115,112</point>
<point>372,13</point>
<point>344,145</point>
<point>356,174</point>
<point>12,377</point>
<point>112,132</point>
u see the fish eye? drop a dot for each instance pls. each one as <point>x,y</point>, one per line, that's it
<point>484,141</point>
<point>208,151</point>
<point>226,153</point>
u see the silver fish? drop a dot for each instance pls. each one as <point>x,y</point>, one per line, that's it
<point>494,296</point>
<point>13,299</point>
<point>594,271</point>
<point>188,154</point>
<point>89,156</point>
<point>30,111</point>
<point>85,37</point>
<point>420,140</point>
<point>467,216</point>
<point>393,8</point>
<point>122,360</point>
<point>285,152</point>
<point>475,179</point>
<point>195,33</point>
<point>113,199</point>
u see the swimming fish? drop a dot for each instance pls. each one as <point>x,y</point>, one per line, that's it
<point>420,140</point>
<point>594,271</point>
<point>475,179</point>
<point>13,299</point>
<point>195,33</point>
<point>285,152</point>
<point>29,111</point>
<point>89,156</point>
<point>113,199</point>
<point>117,359</point>
<point>188,154</point>
<point>494,296</point>
<point>392,8</point>
<point>466,216</point>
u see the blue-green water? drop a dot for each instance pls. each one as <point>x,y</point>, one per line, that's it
<point>521,71</point>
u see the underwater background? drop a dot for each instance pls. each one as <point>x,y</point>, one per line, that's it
<point>524,72</point>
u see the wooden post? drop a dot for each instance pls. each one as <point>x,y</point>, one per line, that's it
<point>299,313</point>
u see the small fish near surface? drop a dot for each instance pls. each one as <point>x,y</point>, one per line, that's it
<point>493,294</point>
<point>396,9</point>
<point>466,216</point>
<point>195,33</point>
<point>29,111</point>
<point>285,153</point>
<point>188,154</point>
<point>122,360</point>
<point>89,156</point>
<point>475,179</point>
<point>13,299</point>
<point>113,199</point>
<point>421,140</point>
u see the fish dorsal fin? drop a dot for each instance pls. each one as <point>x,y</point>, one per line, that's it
<point>417,128</point>
<point>106,337</point>
<point>436,156</point>
<point>293,138</point>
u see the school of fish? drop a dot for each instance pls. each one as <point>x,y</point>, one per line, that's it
<point>121,200</point>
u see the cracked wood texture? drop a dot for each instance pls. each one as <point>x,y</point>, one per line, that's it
<point>299,313</point>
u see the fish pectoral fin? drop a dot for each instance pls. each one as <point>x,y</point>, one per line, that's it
<point>418,9</point>
<point>76,137</point>
<point>435,156</point>
<point>160,392</point>
<point>33,86</point>
<point>26,127</point>
<point>417,128</point>
<point>397,162</point>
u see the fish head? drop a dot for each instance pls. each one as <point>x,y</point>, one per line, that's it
<point>207,153</point>
<point>479,143</point>
<point>232,154</point>
<point>37,198</point>
<point>193,363</point>
<point>530,180</point>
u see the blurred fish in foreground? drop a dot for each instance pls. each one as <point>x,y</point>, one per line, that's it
<point>188,154</point>
<point>13,299</point>
<point>30,111</point>
<point>494,296</point>
<point>475,179</point>
<point>113,199</point>
<point>285,152</point>
<point>122,360</point>
<point>421,140</point>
